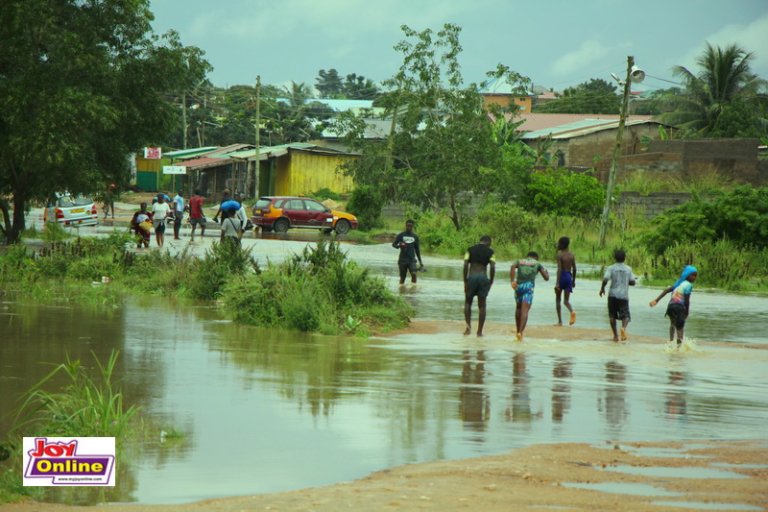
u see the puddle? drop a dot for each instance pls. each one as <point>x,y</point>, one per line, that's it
<point>673,453</point>
<point>740,466</point>
<point>681,472</point>
<point>623,488</point>
<point>706,506</point>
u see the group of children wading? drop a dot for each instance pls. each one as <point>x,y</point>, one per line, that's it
<point>480,271</point>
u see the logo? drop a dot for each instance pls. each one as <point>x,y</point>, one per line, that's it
<point>54,461</point>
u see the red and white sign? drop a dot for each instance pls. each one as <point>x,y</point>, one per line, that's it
<point>153,153</point>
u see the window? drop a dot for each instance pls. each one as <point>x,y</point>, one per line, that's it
<point>314,206</point>
<point>294,204</point>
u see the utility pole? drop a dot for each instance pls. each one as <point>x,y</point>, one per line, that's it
<point>184,118</point>
<point>257,163</point>
<point>616,151</point>
<point>392,130</point>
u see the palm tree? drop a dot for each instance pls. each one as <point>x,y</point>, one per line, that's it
<point>724,82</point>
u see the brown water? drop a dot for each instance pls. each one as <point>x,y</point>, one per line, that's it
<point>265,410</point>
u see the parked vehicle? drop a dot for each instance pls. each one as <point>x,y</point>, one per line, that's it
<point>70,210</point>
<point>281,213</point>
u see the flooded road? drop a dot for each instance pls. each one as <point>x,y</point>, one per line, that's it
<point>264,411</point>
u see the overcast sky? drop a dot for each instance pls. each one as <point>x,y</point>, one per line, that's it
<point>557,43</point>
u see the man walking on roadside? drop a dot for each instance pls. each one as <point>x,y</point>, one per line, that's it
<point>178,213</point>
<point>196,215</point>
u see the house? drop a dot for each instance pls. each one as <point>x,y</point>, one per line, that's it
<point>501,93</point>
<point>298,168</point>
<point>589,142</point>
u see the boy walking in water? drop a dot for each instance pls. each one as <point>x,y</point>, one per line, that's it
<point>621,278</point>
<point>566,279</point>
<point>477,282</point>
<point>408,243</point>
<point>679,303</point>
<point>523,274</point>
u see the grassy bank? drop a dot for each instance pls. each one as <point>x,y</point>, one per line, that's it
<point>722,262</point>
<point>319,290</point>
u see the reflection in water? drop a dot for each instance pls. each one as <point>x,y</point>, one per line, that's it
<point>614,406</point>
<point>321,409</point>
<point>675,404</point>
<point>561,389</point>
<point>519,409</point>
<point>474,402</point>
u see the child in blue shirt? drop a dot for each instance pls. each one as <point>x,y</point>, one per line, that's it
<point>679,303</point>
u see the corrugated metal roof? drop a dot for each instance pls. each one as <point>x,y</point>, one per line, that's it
<point>500,86</point>
<point>265,152</point>
<point>581,128</point>
<point>226,150</point>
<point>189,152</point>
<point>374,129</point>
<point>204,163</point>
<point>537,121</point>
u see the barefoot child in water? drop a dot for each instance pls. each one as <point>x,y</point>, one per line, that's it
<point>621,278</point>
<point>566,279</point>
<point>522,274</point>
<point>679,303</point>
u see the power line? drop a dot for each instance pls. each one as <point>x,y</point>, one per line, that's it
<point>663,79</point>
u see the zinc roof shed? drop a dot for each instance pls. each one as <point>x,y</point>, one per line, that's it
<point>183,154</point>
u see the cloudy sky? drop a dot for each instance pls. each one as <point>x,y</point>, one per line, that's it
<point>557,43</point>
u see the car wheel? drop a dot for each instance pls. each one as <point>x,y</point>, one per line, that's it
<point>281,226</point>
<point>343,226</point>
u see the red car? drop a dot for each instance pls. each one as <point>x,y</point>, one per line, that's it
<point>280,213</point>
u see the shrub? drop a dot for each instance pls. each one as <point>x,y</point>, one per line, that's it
<point>325,193</point>
<point>209,274</point>
<point>317,290</point>
<point>366,203</point>
<point>740,216</point>
<point>563,192</point>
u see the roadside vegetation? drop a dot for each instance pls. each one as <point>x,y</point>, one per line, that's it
<point>320,290</point>
<point>88,404</point>
<point>724,235</point>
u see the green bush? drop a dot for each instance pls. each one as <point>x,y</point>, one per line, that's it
<point>325,193</point>
<point>562,192</point>
<point>366,204</point>
<point>317,290</point>
<point>740,216</point>
<point>209,274</point>
<point>721,264</point>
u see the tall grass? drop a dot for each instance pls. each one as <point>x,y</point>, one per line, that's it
<point>88,404</point>
<point>317,290</point>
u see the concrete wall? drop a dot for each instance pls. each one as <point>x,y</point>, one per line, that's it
<point>735,159</point>
<point>653,204</point>
<point>596,149</point>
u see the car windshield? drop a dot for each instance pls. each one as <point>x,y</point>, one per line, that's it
<point>69,201</point>
<point>262,203</point>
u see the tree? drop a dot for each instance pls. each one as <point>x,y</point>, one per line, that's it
<point>82,83</point>
<point>357,87</point>
<point>329,84</point>
<point>725,84</point>
<point>594,97</point>
<point>444,145</point>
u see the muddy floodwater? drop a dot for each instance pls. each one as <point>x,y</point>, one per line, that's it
<point>265,410</point>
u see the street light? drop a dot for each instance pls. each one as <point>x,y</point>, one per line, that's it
<point>637,75</point>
